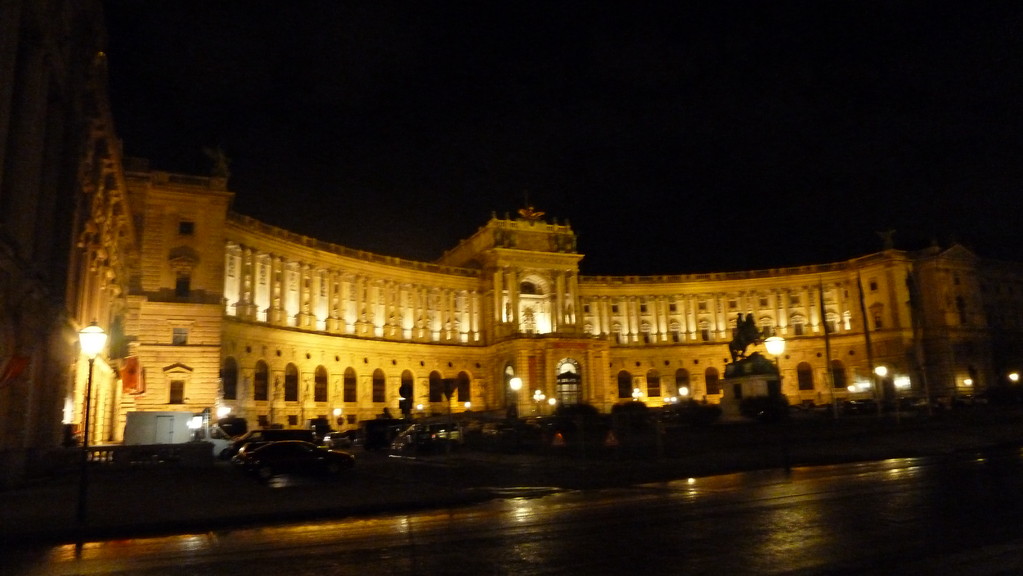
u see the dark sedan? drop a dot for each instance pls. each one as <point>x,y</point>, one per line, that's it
<point>294,457</point>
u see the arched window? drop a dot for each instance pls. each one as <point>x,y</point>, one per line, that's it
<point>624,384</point>
<point>351,392</point>
<point>261,382</point>
<point>291,383</point>
<point>464,391</point>
<point>713,384</point>
<point>804,374</point>
<point>653,384</point>
<point>229,378</point>
<point>682,382</point>
<point>838,379</point>
<point>568,382</point>
<point>320,385</point>
<point>528,288</point>
<point>436,387</point>
<point>379,386</point>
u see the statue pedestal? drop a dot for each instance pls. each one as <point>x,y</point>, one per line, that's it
<point>754,376</point>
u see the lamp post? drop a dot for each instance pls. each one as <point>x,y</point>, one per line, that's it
<point>92,338</point>
<point>515,384</point>
<point>881,371</point>
<point>776,347</point>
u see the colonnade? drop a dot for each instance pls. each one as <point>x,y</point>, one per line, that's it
<point>264,287</point>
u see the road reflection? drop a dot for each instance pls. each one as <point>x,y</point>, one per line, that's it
<point>901,515</point>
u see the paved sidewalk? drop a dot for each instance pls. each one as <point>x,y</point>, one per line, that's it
<point>145,501</point>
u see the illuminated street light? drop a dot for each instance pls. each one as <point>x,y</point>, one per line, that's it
<point>92,338</point>
<point>1014,377</point>
<point>683,391</point>
<point>515,384</point>
<point>776,347</point>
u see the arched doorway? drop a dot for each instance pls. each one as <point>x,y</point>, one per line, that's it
<point>568,382</point>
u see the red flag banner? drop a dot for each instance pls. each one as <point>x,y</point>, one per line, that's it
<point>132,377</point>
<point>13,368</point>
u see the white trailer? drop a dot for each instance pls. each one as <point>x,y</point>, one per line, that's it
<point>158,428</point>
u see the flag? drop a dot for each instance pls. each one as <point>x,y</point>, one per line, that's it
<point>13,368</point>
<point>132,376</point>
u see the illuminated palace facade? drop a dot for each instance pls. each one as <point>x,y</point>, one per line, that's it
<point>226,313</point>
<point>208,309</point>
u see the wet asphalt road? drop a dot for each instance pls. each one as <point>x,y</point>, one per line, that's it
<point>957,514</point>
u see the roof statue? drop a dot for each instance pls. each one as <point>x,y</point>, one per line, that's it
<point>528,213</point>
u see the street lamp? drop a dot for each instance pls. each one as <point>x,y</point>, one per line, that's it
<point>881,372</point>
<point>92,338</point>
<point>515,384</point>
<point>776,347</point>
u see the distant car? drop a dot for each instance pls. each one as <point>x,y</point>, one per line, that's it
<point>865,406</point>
<point>265,436</point>
<point>294,457</point>
<point>339,439</point>
<point>424,437</point>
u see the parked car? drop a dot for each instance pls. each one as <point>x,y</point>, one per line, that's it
<point>294,457</point>
<point>339,439</point>
<point>264,436</point>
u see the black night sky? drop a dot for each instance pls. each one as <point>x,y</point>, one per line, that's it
<point>691,137</point>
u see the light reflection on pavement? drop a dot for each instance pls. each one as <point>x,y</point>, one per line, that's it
<point>904,516</point>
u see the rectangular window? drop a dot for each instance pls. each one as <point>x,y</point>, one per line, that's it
<point>733,304</point>
<point>642,308</point>
<point>705,335</point>
<point>614,308</point>
<point>763,302</point>
<point>675,337</point>
<point>264,422</point>
<point>672,307</point>
<point>653,388</point>
<point>702,306</point>
<point>292,420</point>
<point>186,228</point>
<point>873,285</point>
<point>177,392</point>
<point>180,337</point>
<point>586,308</point>
<point>794,300</point>
<point>183,286</point>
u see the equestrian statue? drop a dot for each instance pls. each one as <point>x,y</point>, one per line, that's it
<point>745,334</point>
